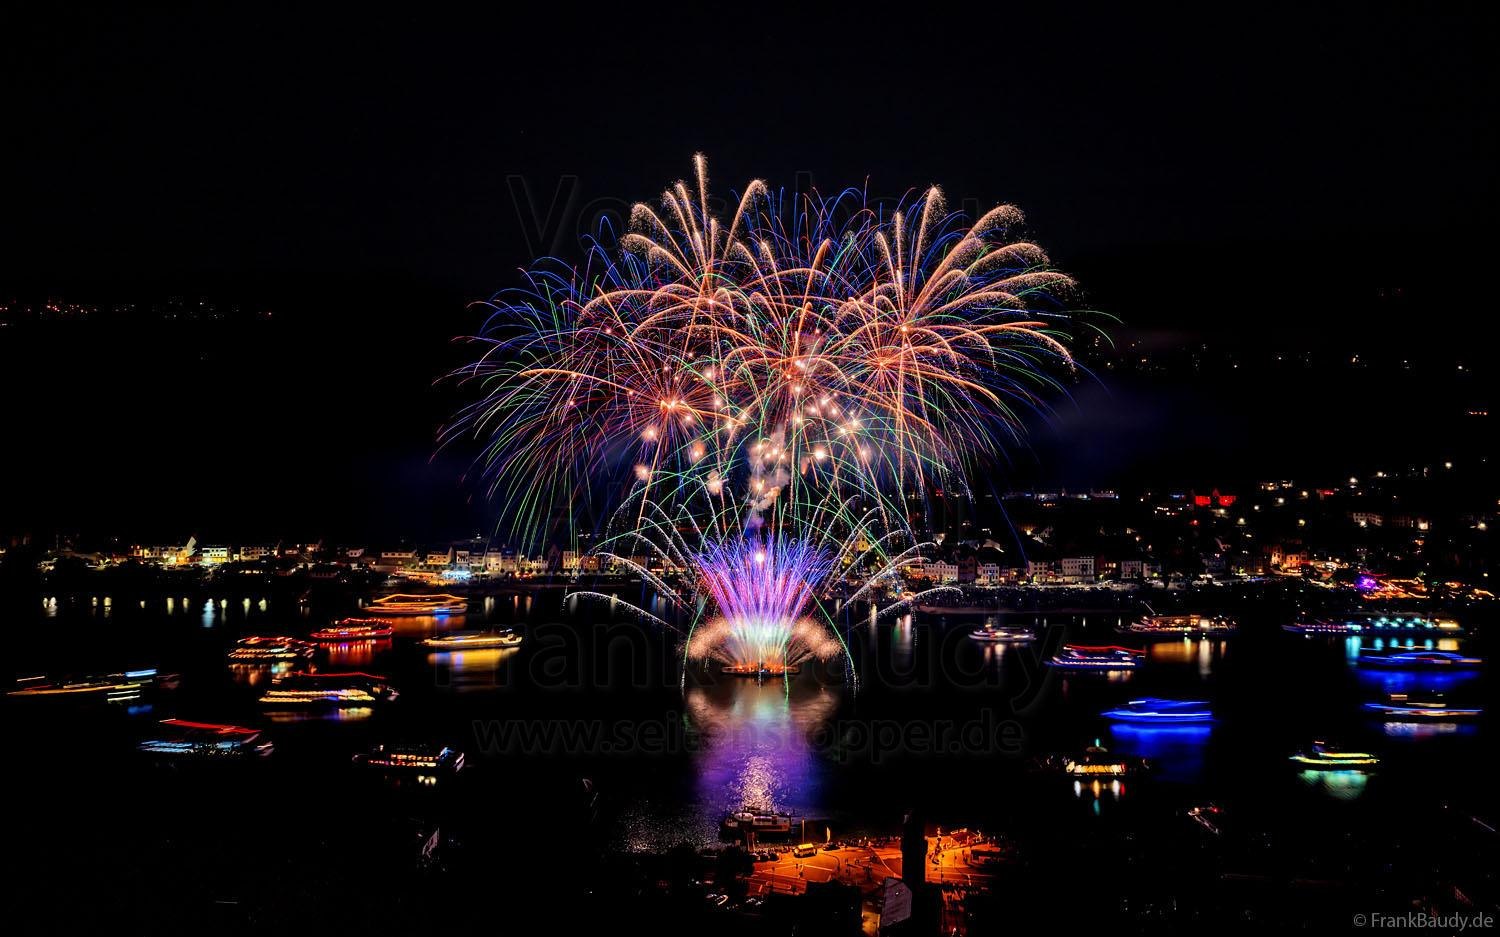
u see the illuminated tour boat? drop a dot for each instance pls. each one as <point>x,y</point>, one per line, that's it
<point>996,634</point>
<point>1156,711</point>
<point>1085,657</point>
<point>417,759</point>
<point>327,689</point>
<point>472,640</point>
<point>1373,623</point>
<point>115,687</point>
<point>1180,625</point>
<point>205,741</point>
<point>1324,757</point>
<point>757,820</point>
<point>760,670</point>
<point>1419,660</point>
<point>408,605</point>
<point>1096,762</point>
<point>1417,707</point>
<point>269,648</point>
<point>354,629</point>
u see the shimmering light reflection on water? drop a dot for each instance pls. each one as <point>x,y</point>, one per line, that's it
<point>465,671</point>
<point>1175,752</point>
<point>1340,785</point>
<point>755,747</point>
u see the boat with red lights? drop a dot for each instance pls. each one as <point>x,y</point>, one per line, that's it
<point>328,689</point>
<point>204,741</point>
<point>415,759</point>
<point>403,604</point>
<point>354,629</point>
<point>259,648</point>
<point>1090,657</point>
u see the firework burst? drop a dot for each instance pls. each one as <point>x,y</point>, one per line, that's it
<point>776,381</point>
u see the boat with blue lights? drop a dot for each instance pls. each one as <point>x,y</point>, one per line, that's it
<point>204,741</point>
<point>472,640</point>
<point>1322,756</point>
<point>1419,707</point>
<point>327,690</point>
<point>1087,657</point>
<point>1420,660</point>
<point>1374,623</point>
<point>999,634</point>
<point>1157,711</point>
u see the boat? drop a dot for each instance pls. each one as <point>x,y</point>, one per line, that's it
<point>420,759</point>
<point>261,648</point>
<point>1374,623</point>
<point>760,670</point>
<point>209,741</point>
<point>354,629</point>
<point>1179,625</point>
<point>757,820</point>
<point>1420,660</point>
<point>1096,762</point>
<point>1417,707</point>
<point>996,634</point>
<point>1324,757</point>
<point>472,640</point>
<point>114,688</point>
<point>328,689</point>
<point>407,604</point>
<point>1085,657</point>
<point>1156,711</point>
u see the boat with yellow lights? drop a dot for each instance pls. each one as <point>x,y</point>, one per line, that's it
<point>1418,707</point>
<point>259,648</point>
<point>1000,634</point>
<point>472,640</point>
<point>415,759</point>
<point>328,689</point>
<point>1176,626</point>
<point>1324,757</point>
<point>1095,762</point>
<point>353,629</point>
<point>408,605</point>
<point>114,688</point>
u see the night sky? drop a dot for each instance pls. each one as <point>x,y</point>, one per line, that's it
<point>1271,178</point>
